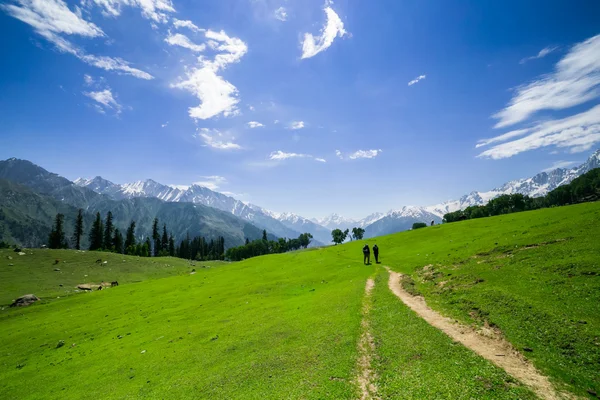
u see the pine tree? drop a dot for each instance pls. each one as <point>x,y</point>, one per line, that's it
<point>264,235</point>
<point>156,237</point>
<point>57,240</point>
<point>108,232</point>
<point>118,242</point>
<point>171,246</point>
<point>78,231</point>
<point>130,245</point>
<point>96,233</point>
<point>146,248</point>
<point>164,243</point>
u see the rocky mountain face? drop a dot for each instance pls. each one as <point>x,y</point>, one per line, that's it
<point>30,197</point>
<point>279,224</point>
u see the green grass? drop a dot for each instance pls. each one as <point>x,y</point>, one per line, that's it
<point>534,275</point>
<point>417,361</point>
<point>287,326</point>
<point>35,272</point>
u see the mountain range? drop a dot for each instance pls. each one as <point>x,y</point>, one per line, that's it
<point>30,197</point>
<point>200,210</point>
<point>376,224</point>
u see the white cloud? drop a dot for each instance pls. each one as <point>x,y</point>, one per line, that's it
<point>339,154</point>
<point>106,99</point>
<point>88,79</point>
<point>51,18</point>
<point>281,155</point>
<point>560,164</point>
<point>417,79</point>
<point>165,124</point>
<point>575,133</point>
<point>177,23</point>
<point>333,28</point>
<point>276,122</point>
<point>183,41</point>
<point>364,154</point>
<point>212,182</point>
<point>216,95</point>
<point>296,125</point>
<point>156,10</point>
<point>574,81</point>
<point>281,14</point>
<point>217,139</point>
<point>254,124</point>
<point>543,53</point>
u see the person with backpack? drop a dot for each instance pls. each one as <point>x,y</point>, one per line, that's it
<point>367,254</point>
<point>376,253</point>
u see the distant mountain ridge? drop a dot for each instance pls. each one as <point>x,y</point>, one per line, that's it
<point>30,197</point>
<point>90,192</point>
<point>280,224</point>
<point>538,185</point>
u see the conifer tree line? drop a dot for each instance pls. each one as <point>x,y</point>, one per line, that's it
<point>104,236</point>
<point>264,246</point>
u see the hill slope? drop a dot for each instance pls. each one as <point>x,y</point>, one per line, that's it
<point>288,325</point>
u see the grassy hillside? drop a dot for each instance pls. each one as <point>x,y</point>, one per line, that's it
<point>35,272</point>
<point>287,326</point>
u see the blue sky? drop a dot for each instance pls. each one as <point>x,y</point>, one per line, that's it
<point>175,91</point>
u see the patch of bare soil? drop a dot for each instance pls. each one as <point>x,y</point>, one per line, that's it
<point>487,342</point>
<point>366,349</point>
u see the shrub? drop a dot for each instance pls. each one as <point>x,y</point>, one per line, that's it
<point>418,225</point>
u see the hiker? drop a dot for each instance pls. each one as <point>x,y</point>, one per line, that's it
<point>376,254</point>
<point>367,254</point>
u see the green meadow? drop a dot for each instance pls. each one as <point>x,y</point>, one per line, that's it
<point>287,326</point>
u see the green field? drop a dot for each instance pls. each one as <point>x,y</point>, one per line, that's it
<point>287,326</point>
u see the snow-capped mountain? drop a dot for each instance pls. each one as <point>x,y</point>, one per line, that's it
<point>280,224</point>
<point>536,186</point>
<point>334,221</point>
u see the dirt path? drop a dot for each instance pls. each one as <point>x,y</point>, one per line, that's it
<point>366,349</point>
<point>487,343</point>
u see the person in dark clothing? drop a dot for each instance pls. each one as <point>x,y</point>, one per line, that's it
<point>367,254</point>
<point>376,254</point>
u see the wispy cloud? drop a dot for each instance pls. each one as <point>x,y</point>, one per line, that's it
<point>542,53</point>
<point>53,18</point>
<point>178,39</point>
<point>106,101</point>
<point>560,164</point>
<point>339,154</point>
<point>575,133</point>
<point>296,125</point>
<point>281,14</point>
<point>281,155</point>
<point>217,139</point>
<point>574,81</point>
<point>212,182</point>
<point>164,125</point>
<point>334,27</point>
<point>254,124</point>
<point>178,24</point>
<point>364,154</point>
<point>416,80</point>
<point>155,10</point>
<point>217,96</point>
